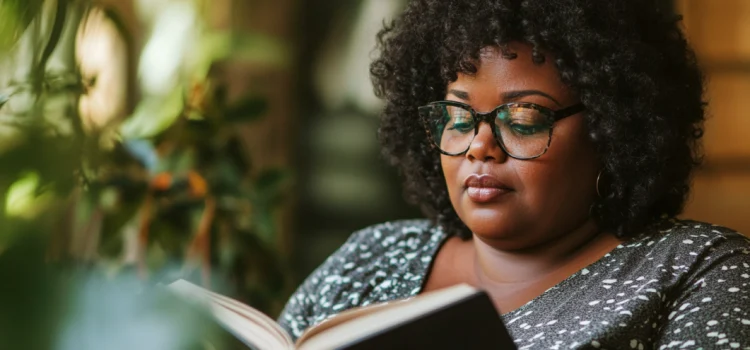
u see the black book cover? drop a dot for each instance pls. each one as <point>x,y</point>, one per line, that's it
<point>472,323</point>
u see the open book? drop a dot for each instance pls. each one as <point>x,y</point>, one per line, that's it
<point>456,317</point>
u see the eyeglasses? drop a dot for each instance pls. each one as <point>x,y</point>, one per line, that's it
<point>523,130</point>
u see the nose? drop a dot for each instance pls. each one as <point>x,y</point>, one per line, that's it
<point>484,147</point>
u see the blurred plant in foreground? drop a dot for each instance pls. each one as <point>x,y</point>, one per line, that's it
<point>167,192</point>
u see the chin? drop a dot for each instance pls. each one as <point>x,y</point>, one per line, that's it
<point>503,241</point>
<point>491,224</point>
<point>498,225</point>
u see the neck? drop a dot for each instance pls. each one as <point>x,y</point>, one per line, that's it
<point>494,266</point>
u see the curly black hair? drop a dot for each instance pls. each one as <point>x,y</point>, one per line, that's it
<point>627,60</point>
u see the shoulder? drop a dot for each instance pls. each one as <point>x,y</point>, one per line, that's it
<point>369,245</point>
<point>693,236</point>
<point>675,254</point>
<point>709,270</point>
<point>380,254</point>
<point>378,263</point>
<point>685,252</point>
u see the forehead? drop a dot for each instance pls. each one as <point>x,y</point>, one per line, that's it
<point>497,74</point>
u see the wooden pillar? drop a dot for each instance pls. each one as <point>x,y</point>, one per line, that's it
<point>270,140</point>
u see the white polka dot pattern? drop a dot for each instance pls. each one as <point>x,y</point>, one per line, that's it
<point>679,285</point>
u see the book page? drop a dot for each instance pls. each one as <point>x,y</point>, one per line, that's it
<point>345,316</point>
<point>249,325</point>
<point>391,315</point>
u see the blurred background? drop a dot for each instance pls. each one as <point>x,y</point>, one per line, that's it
<point>232,143</point>
<point>720,34</point>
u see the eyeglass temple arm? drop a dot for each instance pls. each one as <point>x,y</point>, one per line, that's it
<point>567,112</point>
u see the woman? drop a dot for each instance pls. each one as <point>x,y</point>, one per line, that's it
<point>550,144</point>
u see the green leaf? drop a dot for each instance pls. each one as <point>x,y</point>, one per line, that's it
<point>266,194</point>
<point>15,17</point>
<point>30,318</point>
<point>226,177</point>
<point>154,115</point>
<point>269,187</point>
<point>57,27</point>
<point>4,98</point>
<point>264,224</point>
<point>23,199</point>
<point>247,109</point>
<point>271,178</point>
<point>212,47</point>
<point>237,156</point>
<point>181,162</point>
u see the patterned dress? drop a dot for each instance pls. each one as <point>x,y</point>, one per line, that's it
<point>678,285</point>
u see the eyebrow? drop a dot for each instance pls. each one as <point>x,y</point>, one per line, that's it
<point>460,94</point>
<point>513,95</point>
<point>507,96</point>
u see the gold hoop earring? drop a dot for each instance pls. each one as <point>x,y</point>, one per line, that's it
<point>597,183</point>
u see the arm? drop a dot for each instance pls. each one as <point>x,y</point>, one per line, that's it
<point>307,306</point>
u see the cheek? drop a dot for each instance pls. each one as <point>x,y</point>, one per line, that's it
<point>451,166</point>
<point>564,178</point>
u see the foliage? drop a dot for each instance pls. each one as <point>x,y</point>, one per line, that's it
<point>62,307</point>
<point>168,192</point>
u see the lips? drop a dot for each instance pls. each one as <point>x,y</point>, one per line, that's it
<point>485,188</point>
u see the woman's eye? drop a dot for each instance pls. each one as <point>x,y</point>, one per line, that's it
<point>462,126</point>
<point>527,129</point>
